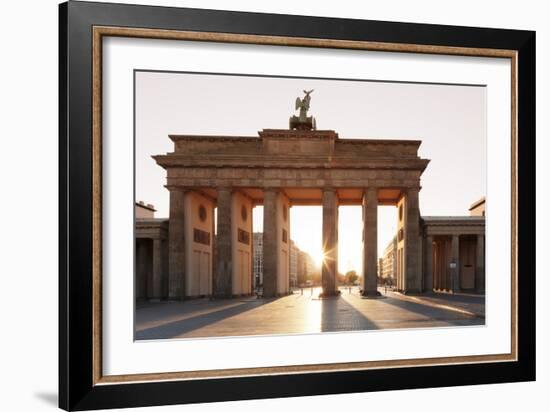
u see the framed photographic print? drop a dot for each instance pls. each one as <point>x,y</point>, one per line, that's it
<point>257,205</point>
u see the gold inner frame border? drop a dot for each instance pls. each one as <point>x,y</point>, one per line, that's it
<point>102,31</point>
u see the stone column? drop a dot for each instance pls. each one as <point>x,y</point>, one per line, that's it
<point>412,232</point>
<point>443,264</point>
<point>214,257</point>
<point>157,270</point>
<point>270,244</point>
<point>140,271</point>
<point>165,268</point>
<point>455,258</point>
<point>251,263</point>
<point>224,253</point>
<point>330,242</point>
<point>480,264</point>
<point>176,245</point>
<point>429,275</point>
<point>370,242</point>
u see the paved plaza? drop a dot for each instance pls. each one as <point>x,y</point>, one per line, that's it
<point>304,312</point>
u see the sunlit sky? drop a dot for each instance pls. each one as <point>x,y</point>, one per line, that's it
<point>450,121</point>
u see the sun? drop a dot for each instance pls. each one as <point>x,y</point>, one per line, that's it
<point>318,256</point>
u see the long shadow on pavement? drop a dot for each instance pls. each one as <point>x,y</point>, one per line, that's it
<point>435,314</point>
<point>458,298</point>
<point>178,327</point>
<point>337,315</point>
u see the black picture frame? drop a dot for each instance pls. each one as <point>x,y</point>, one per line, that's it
<point>77,390</point>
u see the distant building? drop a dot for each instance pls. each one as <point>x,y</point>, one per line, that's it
<point>302,265</point>
<point>258,250</point>
<point>389,261</point>
<point>293,274</point>
<point>306,268</point>
<point>478,208</point>
<point>144,211</point>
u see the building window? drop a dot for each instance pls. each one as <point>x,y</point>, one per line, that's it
<point>200,236</point>
<point>400,235</point>
<point>400,213</point>
<point>244,213</point>
<point>202,213</point>
<point>285,212</point>
<point>243,236</point>
<point>285,236</point>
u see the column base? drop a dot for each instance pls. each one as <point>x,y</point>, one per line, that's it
<point>370,294</point>
<point>412,292</point>
<point>330,294</point>
<point>175,299</point>
<point>220,296</point>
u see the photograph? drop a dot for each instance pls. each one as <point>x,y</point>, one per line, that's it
<point>273,205</point>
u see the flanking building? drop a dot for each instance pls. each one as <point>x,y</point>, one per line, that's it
<point>151,252</point>
<point>452,253</point>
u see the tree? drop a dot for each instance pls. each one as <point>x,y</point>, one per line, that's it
<point>351,277</point>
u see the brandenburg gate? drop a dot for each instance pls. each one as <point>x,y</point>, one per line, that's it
<point>278,169</point>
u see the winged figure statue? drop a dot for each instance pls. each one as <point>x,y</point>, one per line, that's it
<point>303,104</point>
<point>303,122</point>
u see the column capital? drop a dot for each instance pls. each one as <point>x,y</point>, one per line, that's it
<point>224,189</point>
<point>328,189</point>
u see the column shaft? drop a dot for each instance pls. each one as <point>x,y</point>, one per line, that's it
<point>141,269</point>
<point>214,257</point>
<point>480,264</point>
<point>330,242</point>
<point>224,254</point>
<point>429,274</point>
<point>455,258</point>
<point>370,245</point>
<point>270,244</point>
<point>157,269</point>
<point>176,246</point>
<point>413,281</point>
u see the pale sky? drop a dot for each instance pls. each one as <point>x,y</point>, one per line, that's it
<point>450,121</point>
